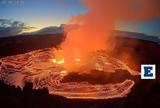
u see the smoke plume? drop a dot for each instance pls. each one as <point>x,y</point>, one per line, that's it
<point>97,24</point>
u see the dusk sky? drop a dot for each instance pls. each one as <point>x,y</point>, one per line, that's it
<point>43,13</point>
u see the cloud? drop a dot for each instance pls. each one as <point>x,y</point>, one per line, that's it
<point>11,28</point>
<point>54,29</point>
<point>47,30</point>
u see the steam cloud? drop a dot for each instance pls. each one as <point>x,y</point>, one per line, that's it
<point>98,22</point>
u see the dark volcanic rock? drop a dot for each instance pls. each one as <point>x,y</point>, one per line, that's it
<point>99,77</point>
<point>14,97</point>
<point>25,43</point>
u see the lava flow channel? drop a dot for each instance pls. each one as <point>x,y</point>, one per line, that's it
<point>39,67</point>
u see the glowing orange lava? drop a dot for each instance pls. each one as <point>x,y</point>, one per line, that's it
<point>58,62</point>
<point>35,67</point>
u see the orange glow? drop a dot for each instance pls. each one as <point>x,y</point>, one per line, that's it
<point>96,25</point>
<point>77,60</point>
<point>63,72</point>
<point>35,68</point>
<point>58,62</point>
<point>54,60</point>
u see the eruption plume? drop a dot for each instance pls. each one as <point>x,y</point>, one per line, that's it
<point>97,24</point>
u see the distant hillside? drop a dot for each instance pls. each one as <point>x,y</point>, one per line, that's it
<point>135,35</point>
<point>24,43</point>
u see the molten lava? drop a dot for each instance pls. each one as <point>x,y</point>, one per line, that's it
<point>37,67</point>
<point>58,62</point>
<point>84,49</point>
<point>62,61</point>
